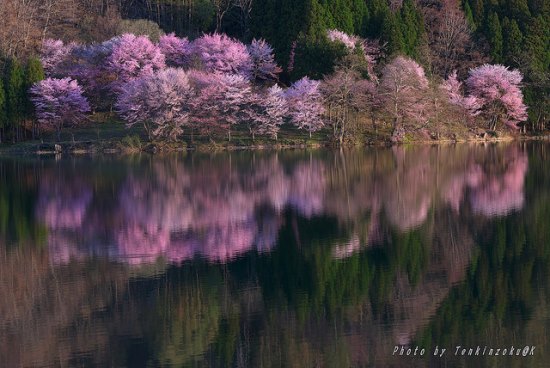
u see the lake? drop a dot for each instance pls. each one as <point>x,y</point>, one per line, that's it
<point>278,259</point>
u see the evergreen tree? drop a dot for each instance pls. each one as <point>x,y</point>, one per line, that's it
<point>494,34</point>
<point>267,16</point>
<point>392,34</point>
<point>513,39</point>
<point>342,14</point>
<point>378,12</point>
<point>33,73</point>
<point>537,45</point>
<point>316,57</point>
<point>469,15</point>
<point>319,20</point>
<point>539,7</point>
<point>412,24</point>
<point>3,114</point>
<point>361,17</point>
<point>518,9</point>
<point>478,10</point>
<point>15,96</point>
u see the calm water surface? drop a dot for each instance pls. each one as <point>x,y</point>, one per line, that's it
<point>289,259</point>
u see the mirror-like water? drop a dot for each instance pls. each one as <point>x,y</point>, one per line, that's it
<point>289,259</point>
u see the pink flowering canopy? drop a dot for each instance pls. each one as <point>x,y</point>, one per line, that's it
<point>160,102</point>
<point>53,55</point>
<point>58,103</point>
<point>452,87</point>
<point>267,111</point>
<point>264,66</point>
<point>175,50</point>
<point>497,90</point>
<point>305,104</point>
<point>133,57</point>
<point>220,53</point>
<point>350,42</point>
<point>221,100</point>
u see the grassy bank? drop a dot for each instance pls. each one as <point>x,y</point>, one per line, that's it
<point>107,135</point>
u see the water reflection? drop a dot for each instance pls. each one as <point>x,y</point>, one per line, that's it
<point>272,259</point>
<point>218,210</point>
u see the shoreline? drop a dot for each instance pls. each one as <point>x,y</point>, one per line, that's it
<point>116,147</point>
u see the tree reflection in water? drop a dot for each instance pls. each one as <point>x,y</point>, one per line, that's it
<point>272,259</point>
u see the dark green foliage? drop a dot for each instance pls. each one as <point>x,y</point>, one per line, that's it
<point>342,14</point>
<point>15,96</point>
<point>283,22</point>
<point>316,57</point>
<point>181,17</point>
<point>3,113</point>
<point>392,34</point>
<point>494,34</point>
<point>33,73</point>
<point>518,9</point>
<point>469,15</point>
<point>361,16</point>
<point>378,11</point>
<point>478,11</point>
<point>412,26</point>
<point>513,39</point>
<point>537,44</point>
<point>280,23</point>
<point>319,19</point>
<point>15,104</point>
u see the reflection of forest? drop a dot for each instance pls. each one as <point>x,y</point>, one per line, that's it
<point>289,259</point>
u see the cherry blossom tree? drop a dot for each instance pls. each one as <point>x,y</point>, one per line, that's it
<point>176,50</point>
<point>269,108</point>
<point>305,104</point>
<point>461,107</point>
<point>88,65</point>
<point>498,91</point>
<point>351,42</point>
<point>160,102</point>
<point>222,100</point>
<point>58,103</point>
<point>403,88</point>
<point>453,88</point>
<point>204,107</point>
<point>220,53</point>
<point>53,55</point>
<point>264,66</point>
<point>133,57</point>
<point>346,94</point>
